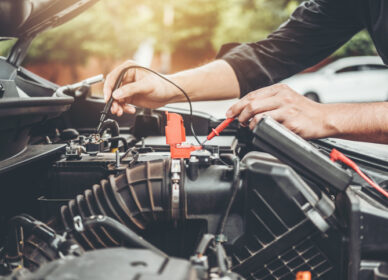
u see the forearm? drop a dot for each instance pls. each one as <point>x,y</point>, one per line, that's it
<point>362,122</point>
<point>213,81</point>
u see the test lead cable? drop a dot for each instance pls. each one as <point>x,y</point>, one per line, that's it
<point>117,84</point>
<point>336,155</point>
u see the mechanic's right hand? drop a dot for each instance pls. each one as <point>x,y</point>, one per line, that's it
<point>139,88</point>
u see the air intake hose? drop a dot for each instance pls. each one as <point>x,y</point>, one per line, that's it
<point>135,198</point>
<point>141,196</point>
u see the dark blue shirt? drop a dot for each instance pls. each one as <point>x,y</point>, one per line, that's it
<point>315,30</point>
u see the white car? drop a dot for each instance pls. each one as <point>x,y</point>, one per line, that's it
<point>351,79</point>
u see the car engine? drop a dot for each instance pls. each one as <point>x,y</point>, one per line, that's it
<point>138,200</point>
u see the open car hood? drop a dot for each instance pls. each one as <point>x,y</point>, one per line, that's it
<point>26,100</point>
<point>26,18</point>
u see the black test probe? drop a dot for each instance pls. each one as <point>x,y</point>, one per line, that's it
<point>108,105</point>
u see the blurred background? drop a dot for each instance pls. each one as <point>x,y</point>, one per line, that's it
<point>166,35</point>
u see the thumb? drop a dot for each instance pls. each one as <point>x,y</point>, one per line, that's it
<point>130,90</point>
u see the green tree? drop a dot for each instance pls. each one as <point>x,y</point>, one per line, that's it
<point>106,30</point>
<point>251,20</point>
<point>113,29</point>
<point>360,44</point>
<point>5,46</point>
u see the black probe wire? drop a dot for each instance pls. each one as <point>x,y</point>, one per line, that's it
<point>124,71</point>
<point>233,194</point>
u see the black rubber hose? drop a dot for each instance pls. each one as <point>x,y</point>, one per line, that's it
<point>126,234</point>
<point>112,125</point>
<point>136,198</point>
<point>234,191</point>
<point>29,224</point>
<point>114,129</point>
<point>115,140</point>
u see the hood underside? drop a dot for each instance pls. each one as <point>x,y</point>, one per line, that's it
<point>26,18</point>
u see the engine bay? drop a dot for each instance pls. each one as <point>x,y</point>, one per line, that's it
<point>143,197</point>
<point>138,200</point>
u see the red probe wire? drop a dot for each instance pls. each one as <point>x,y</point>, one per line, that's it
<point>218,129</point>
<point>336,155</point>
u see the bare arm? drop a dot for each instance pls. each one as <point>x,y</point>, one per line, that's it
<point>213,81</point>
<point>311,120</point>
<point>362,122</point>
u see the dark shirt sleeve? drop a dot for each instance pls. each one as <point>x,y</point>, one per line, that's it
<point>315,30</point>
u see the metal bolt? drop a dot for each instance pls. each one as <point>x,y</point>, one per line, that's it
<point>193,159</point>
<point>117,158</point>
<point>2,90</point>
<point>143,142</point>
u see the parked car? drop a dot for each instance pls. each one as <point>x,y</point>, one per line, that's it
<point>350,79</point>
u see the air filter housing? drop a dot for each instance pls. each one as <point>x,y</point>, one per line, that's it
<point>287,225</point>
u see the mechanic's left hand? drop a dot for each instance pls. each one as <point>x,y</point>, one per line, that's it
<point>298,113</point>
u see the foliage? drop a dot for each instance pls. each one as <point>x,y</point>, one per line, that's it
<point>114,28</point>
<point>360,44</point>
<point>194,28</point>
<point>252,20</point>
<point>5,46</point>
<point>93,33</point>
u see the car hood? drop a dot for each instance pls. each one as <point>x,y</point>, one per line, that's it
<point>305,77</point>
<point>21,112</point>
<point>304,82</point>
<point>27,18</point>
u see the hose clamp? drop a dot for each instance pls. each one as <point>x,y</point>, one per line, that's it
<point>175,187</point>
<point>78,225</point>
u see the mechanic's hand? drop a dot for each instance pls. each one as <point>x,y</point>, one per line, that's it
<point>139,88</point>
<point>298,113</point>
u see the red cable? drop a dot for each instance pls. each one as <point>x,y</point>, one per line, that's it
<point>336,155</point>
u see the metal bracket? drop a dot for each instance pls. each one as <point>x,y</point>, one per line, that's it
<point>19,51</point>
<point>78,225</point>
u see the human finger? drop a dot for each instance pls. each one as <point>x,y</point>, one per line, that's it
<point>275,114</point>
<point>128,108</point>
<point>114,107</point>
<point>257,107</point>
<point>129,90</point>
<point>112,77</point>
<point>120,111</point>
<point>259,94</point>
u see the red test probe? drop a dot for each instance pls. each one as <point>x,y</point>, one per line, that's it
<point>218,129</point>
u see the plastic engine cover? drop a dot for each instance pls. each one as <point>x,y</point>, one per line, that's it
<point>117,263</point>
